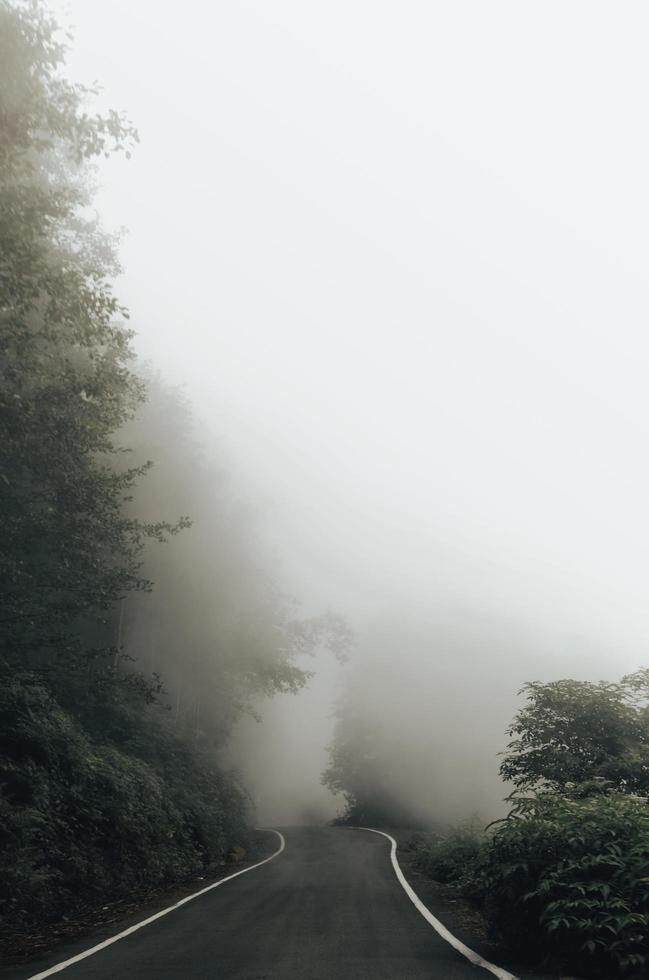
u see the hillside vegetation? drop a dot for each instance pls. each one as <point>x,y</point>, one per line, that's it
<point>137,620</point>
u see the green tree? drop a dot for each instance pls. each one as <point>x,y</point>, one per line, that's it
<point>68,550</point>
<point>359,770</point>
<point>216,626</point>
<point>573,731</point>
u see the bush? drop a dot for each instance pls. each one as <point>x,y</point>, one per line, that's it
<point>456,858</point>
<point>83,819</point>
<point>568,874</point>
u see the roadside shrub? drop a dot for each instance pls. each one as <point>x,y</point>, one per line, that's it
<point>456,858</point>
<point>568,875</point>
<point>83,820</point>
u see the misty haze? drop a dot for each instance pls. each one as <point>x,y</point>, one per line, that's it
<point>324,490</point>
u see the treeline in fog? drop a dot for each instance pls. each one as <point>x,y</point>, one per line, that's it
<point>138,620</point>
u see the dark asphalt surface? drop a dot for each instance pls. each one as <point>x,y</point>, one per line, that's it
<point>328,908</point>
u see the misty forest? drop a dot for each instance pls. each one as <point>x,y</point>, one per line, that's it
<point>292,539</point>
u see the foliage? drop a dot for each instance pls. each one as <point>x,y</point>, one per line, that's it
<point>241,638</point>
<point>568,874</point>
<point>357,771</point>
<point>457,857</point>
<point>68,549</point>
<point>82,818</point>
<point>574,731</point>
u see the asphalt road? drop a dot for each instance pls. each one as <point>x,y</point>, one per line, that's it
<point>328,908</point>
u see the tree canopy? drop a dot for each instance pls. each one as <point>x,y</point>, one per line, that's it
<point>66,384</point>
<point>574,731</point>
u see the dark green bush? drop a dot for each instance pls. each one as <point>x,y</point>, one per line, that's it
<point>457,857</point>
<point>568,874</point>
<point>83,820</point>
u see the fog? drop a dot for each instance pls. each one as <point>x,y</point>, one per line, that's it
<point>396,254</point>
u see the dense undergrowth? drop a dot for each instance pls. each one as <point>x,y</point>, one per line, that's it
<point>84,818</point>
<point>564,877</point>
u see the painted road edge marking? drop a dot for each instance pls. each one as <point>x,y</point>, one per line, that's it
<point>472,956</point>
<point>158,915</point>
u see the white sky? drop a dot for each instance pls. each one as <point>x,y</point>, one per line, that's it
<point>399,253</point>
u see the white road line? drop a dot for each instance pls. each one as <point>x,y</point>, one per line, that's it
<point>158,915</point>
<point>473,957</point>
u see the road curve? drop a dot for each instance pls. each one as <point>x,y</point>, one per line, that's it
<point>328,908</point>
